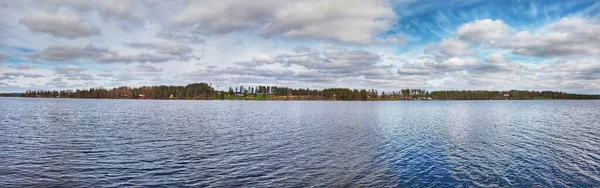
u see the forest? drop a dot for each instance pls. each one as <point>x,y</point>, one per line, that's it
<point>204,91</point>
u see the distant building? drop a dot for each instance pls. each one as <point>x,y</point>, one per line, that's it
<point>506,95</point>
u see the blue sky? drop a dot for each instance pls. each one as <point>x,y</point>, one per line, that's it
<point>385,45</point>
<point>435,20</point>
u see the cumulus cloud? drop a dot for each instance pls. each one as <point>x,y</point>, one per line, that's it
<point>500,64</point>
<point>67,53</point>
<point>417,69</point>
<point>181,35</point>
<point>171,48</point>
<point>570,36</point>
<point>449,55</point>
<point>585,70</point>
<point>215,17</point>
<point>263,59</point>
<point>456,64</point>
<point>484,31</point>
<point>315,67</point>
<point>342,21</point>
<point>124,77</point>
<point>495,63</point>
<point>302,49</point>
<point>123,9</point>
<point>57,83</point>
<point>115,57</point>
<point>59,25</point>
<point>104,55</point>
<point>69,69</point>
<point>73,72</point>
<point>330,62</point>
<point>449,48</point>
<point>148,68</point>
<point>354,21</point>
<point>14,75</point>
<point>454,47</point>
<point>339,61</point>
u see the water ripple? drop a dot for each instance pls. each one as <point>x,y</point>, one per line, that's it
<point>125,143</point>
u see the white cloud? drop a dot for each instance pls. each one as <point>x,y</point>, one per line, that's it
<point>148,68</point>
<point>339,61</point>
<point>308,67</point>
<point>14,75</point>
<point>57,83</point>
<point>216,17</point>
<point>114,57</point>
<point>354,21</point>
<point>351,21</point>
<point>420,68</point>
<point>570,36</point>
<point>68,26</point>
<point>104,55</point>
<point>450,48</point>
<point>454,47</point>
<point>182,36</point>
<point>172,48</point>
<point>471,66</point>
<point>456,63</point>
<point>585,70</point>
<point>123,9</point>
<point>263,58</point>
<point>72,72</point>
<point>484,31</point>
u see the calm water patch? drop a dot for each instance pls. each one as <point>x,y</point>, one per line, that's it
<point>80,143</point>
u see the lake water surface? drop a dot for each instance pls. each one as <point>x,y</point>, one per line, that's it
<point>81,143</point>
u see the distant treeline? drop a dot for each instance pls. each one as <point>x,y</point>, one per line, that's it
<point>11,94</point>
<point>204,91</point>
<point>501,95</point>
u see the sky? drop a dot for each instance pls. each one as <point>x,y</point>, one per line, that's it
<point>375,44</point>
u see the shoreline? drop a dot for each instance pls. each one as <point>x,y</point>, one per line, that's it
<point>546,99</point>
<point>205,91</point>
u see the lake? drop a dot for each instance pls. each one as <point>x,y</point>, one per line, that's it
<point>116,143</point>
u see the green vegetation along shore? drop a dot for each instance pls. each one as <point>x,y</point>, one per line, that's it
<point>204,91</point>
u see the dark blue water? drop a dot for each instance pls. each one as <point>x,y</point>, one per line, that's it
<point>116,143</point>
